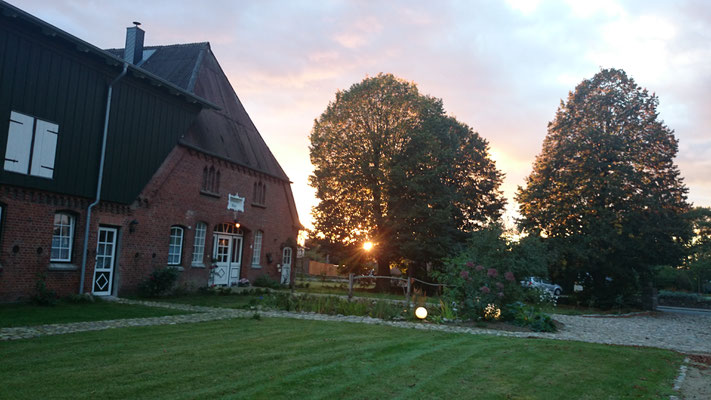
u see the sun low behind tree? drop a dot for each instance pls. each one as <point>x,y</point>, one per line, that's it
<point>392,168</point>
<point>605,190</point>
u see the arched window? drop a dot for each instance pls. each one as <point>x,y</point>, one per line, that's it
<point>199,244</point>
<point>62,237</point>
<point>211,180</point>
<point>260,193</point>
<point>257,248</point>
<point>175,248</point>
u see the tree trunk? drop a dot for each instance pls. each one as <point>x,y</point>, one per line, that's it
<point>383,285</point>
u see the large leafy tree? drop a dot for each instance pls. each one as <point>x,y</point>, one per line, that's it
<point>605,190</point>
<point>699,258</point>
<point>391,167</point>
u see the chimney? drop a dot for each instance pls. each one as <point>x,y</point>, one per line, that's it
<point>133,52</point>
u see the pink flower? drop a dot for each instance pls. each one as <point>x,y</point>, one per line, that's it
<point>485,290</point>
<point>501,294</point>
<point>492,272</point>
<point>509,276</point>
<point>499,285</point>
<point>464,274</point>
<point>479,267</point>
<point>470,264</point>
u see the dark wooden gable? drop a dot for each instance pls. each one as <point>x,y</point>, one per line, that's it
<point>47,76</point>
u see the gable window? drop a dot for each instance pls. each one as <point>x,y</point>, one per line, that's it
<point>199,244</point>
<point>257,248</point>
<point>260,193</point>
<point>211,180</point>
<point>31,146</point>
<point>175,249</point>
<point>62,237</point>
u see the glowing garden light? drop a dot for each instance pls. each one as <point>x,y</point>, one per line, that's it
<point>421,312</point>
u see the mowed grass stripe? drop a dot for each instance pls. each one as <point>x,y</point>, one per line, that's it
<point>282,358</point>
<point>393,358</point>
<point>291,366</point>
<point>352,366</point>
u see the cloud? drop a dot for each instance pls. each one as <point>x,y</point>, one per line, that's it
<point>500,67</point>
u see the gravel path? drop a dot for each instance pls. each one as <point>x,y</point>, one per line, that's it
<point>685,333</point>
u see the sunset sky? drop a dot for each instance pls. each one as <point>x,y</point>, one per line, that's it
<point>501,67</point>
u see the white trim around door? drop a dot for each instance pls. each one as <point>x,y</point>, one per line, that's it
<point>105,261</point>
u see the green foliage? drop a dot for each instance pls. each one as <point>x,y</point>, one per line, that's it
<point>266,281</point>
<point>43,295</point>
<point>684,297</point>
<point>529,316</point>
<point>698,262</point>
<point>334,306</point>
<point>477,276</point>
<point>391,167</point>
<point>159,282</point>
<point>673,278</point>
<point>604,190</point>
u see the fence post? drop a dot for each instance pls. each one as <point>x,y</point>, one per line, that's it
<point>350,286</point>
<point>409,291</point>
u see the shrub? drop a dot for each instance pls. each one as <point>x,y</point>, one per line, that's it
<point>683,297</point>
<point>266,281</point>
<point>44,296</point>
<point>475,290</point>
<point>159,282</point>
<point>529,316</point>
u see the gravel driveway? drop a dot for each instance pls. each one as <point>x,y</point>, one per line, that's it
<point>682,332</point>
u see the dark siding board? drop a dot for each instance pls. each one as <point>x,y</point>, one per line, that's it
<point>18,95</point>
<point>34,102</point>
<point>44,77</point>
<point>53,63</point>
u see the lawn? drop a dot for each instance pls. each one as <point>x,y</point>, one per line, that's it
<point>12,315</point>
<point>272,358</point>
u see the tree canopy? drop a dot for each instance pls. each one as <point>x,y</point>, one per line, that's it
<point>605,190</point>
<point>698,260</point>
<point>392,167</point>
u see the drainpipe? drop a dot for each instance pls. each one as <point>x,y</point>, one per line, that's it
<point>101,176</point>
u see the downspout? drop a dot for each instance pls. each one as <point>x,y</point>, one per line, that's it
<point>101,176</point>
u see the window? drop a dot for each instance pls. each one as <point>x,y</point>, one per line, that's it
<point>175,249</point>
<point>199,244</point>
<point>257,248</point>
<point>31,146</point>
<point>286,256</point>
<point>260,193</point>
<point>62,237</point>
<point>210,180</point>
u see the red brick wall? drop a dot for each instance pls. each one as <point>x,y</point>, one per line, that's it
<point>173,197</point>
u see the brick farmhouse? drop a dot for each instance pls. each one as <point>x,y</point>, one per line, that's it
<point>119,162</point>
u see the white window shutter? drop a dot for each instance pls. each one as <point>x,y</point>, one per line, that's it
<point>45,149</point>
<point>19,142</point>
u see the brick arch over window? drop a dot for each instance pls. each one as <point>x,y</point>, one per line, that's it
<point>228,228</point>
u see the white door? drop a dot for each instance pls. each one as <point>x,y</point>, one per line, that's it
<point>286,266</point>
<point>236,259</point>
<point>221,256</point>
<point>105,260</point>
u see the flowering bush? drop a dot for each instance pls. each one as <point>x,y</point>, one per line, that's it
<point>476,291</point>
